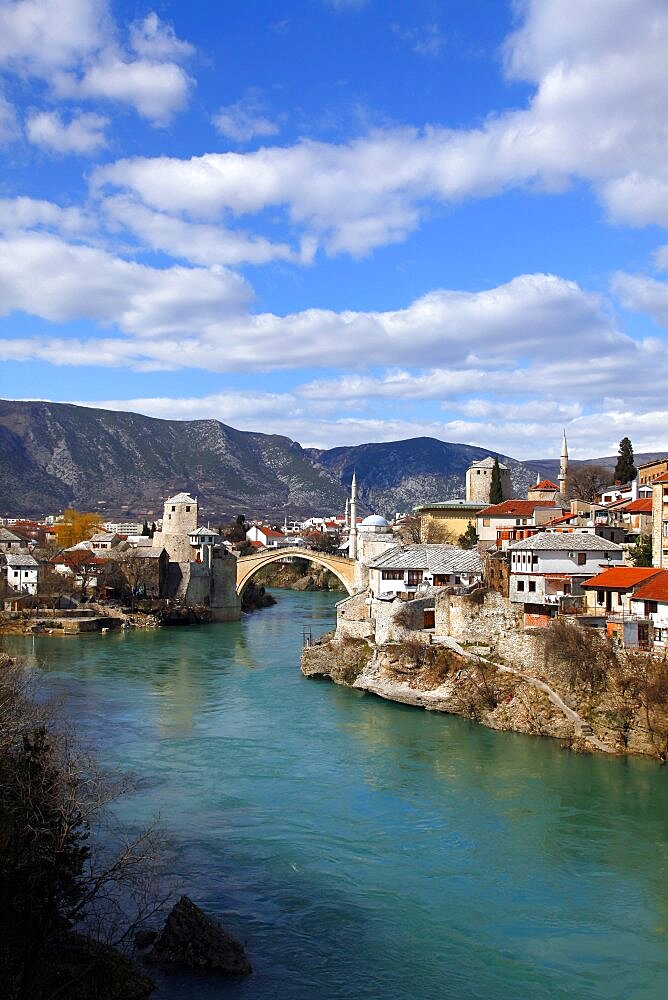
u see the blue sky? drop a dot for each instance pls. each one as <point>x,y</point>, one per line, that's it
<point>341,220</point>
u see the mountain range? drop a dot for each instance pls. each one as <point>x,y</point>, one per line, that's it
<point>54,455</point>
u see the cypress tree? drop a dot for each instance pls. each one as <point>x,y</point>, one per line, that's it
<point>496,489</point>
<point>625,470</point>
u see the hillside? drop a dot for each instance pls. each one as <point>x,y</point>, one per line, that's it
<point>53,455</point>
<point>397,475</point>
<point>56,454</point>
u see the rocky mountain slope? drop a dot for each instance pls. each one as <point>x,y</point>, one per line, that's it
<point>397,475</point>
<point>53,455</point>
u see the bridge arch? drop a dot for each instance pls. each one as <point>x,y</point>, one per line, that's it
<point>342,568</point>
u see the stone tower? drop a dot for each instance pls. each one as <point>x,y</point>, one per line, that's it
<point>179,521</point>
<point>563,467</point>
<point>479,481</point>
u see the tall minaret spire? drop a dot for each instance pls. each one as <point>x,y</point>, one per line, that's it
<point>563,467</point>
<point>352,536</point>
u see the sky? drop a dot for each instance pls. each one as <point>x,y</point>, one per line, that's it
<point>341,220</point>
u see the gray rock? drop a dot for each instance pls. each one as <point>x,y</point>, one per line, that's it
<point>194,940</point>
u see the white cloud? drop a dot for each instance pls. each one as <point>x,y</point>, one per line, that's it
<point>598,114</point>
<point>591,435</point>
<point>17,214</point>
<point>84,133</point>
<point>643,294</point>
<point>153,39</point>
<point>502,337</point>
<point>73,46</point>
<point>196,242</point>
<point>245,119</point>
<point>85,282</point>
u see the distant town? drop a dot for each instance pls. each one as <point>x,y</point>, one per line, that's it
<point>586,548</point>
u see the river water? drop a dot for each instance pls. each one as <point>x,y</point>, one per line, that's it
<point>370,850</point>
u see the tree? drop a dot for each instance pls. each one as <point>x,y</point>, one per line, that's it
<point>146,531</point>
<point>496,489</point>
<point>625,470</point>
<point>235,532</point>
<point>586,482</point>
<point>641,553</point>
<point>469,539</point>
<point>62,893</point>
<point>84,567</point>
<point>76,526</point>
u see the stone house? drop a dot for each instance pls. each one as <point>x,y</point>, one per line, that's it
<point>548,569</point>
<point>610,591</point>
<point>9,542</point>
<point>405,570</point>
<point>22,571</point>
<point>650,601</point>
<point>502,524</point>
<point>660,521</point>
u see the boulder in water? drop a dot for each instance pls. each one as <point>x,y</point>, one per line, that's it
<point>194,940</point>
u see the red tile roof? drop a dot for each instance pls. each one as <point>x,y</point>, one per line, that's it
<point>545,484</point>
<point>514,508</point>
<point>655,589</point>
<point>621,578</point>
<point>561,520</point>
<point>641,506</point>
<point>660,479</point>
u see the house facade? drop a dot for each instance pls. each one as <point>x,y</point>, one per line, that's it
<point>22,570</point>
<point>660,521</point>
<point>650,601</point>
<point>547,571</point>
<point>405,570</point>
<point>503,523</point>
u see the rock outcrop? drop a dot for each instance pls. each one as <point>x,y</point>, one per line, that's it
<point>191,939</point>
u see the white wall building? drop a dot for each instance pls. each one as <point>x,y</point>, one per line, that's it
<point>22,573</point>
<point>549,567</point>
<point>405,570</point>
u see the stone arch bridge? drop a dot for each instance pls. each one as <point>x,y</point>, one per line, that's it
<point>342,568</point>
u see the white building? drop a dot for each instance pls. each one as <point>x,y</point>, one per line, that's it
<point>548,569</point>
<point>269,537</point>
<point>651,601</point>
<point>405,570</point>
<point>22,573</point>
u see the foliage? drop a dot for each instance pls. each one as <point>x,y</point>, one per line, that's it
<point>586,482</point>
<point>625,470</point>
<point>83,566</point>
<point>580,656</point>
<point>322,541</point>
<point>76,526</point>
<point>469,538</point>
<point>235,531</point>
<point>54,879</point>
<point>496,488</point>
<point>641,553</point>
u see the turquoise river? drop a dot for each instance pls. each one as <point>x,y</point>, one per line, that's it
<point>368,850</point>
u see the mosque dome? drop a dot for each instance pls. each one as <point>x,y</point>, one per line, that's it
<point>374,522</point>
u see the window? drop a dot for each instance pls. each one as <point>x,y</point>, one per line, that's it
<point>650,607</point>
<point>517,520</point>
<point>16,572</point>
<point>600,597</point>
<point>392,574</point>
<point>520,585</point>
<point>532,586</point>
<point>485,522</point>
<point>414,577</point>
<point>187,510</point>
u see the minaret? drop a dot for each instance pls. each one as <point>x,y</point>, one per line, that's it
<point>563,467</point>
<point>352,535</point>
<point>347,521</point>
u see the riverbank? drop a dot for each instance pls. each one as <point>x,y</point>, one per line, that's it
<point>567,682</point>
